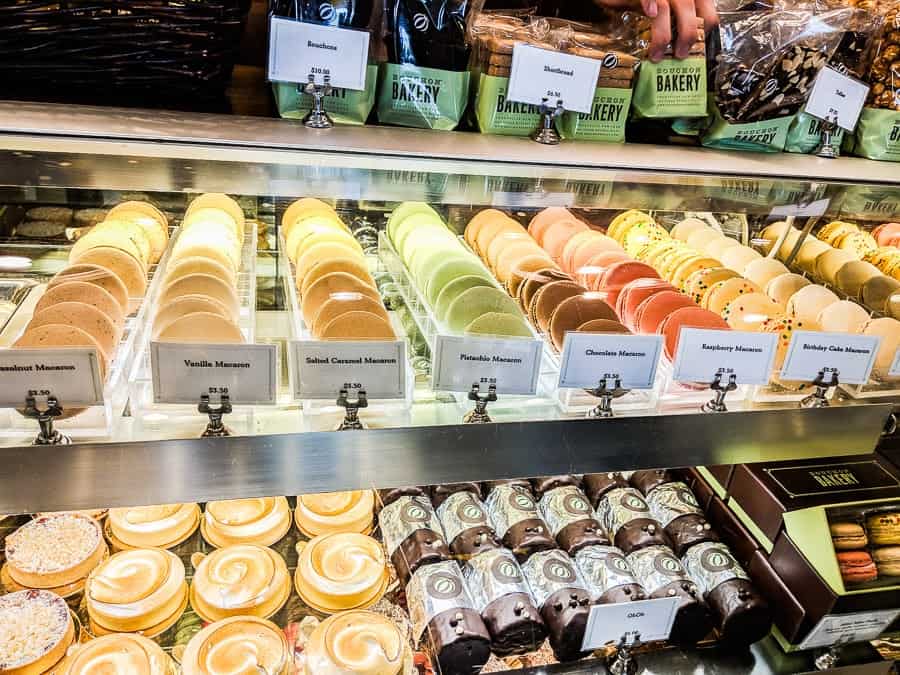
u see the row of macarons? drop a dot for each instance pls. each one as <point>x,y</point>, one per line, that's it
<point>339,299</point>
<point>878,531</point>
<point>39,636</point>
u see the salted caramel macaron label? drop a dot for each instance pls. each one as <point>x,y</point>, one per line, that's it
<point>182,372</point>
<point>322,368</point>
<point>72,375</point>
<point>511,364</point>
<point>590,358</point>
<point>703,353</point>
<point>850,356</point>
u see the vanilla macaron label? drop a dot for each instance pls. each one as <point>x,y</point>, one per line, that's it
<point>71,375</point>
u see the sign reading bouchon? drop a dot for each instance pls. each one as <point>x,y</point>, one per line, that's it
<point>298,49</point>
<point>182,372</point>
<point>812,352</point>
<point>650,619</point>
<point>511,364</point>
<point>320,369</point>
<point>703,354</point>
<point>71,375</point>
<point>589,358</point>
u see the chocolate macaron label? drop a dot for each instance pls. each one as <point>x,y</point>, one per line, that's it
<point>710,564</point>
<point>491,575</point>
<point>508,505</point>
<point>603,568</point>
<point>563,506</point>
<point>655,567</point>
<point>434,589</point>
<point>548,572</point>
<point>461,511</point>
<point>672,500</point>
<point>399,519</point>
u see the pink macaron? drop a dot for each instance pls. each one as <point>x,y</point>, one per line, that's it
<point>589,249</point>
<point>558,234</point>
<point>687,317</point>
<point>654,310</point>
<point>544,219</point>
<point>633,294</point>
<point>885,233</point>
<point>621,273</point>
<point>590,274</point>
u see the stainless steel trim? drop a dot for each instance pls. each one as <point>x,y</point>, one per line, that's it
<point>65,121</point>
<point>103,475</point>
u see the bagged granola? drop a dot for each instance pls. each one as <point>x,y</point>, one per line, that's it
<point>878,131</point>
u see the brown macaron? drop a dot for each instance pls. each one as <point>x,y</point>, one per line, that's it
<point>56,336</point>
<point>80,291</point>
<point>97,275</point>
<point>81,315</point>
<point>547,299</point>
<point>603,326</point>
<point>576,311</point>
<point>533,281</point>
<point>352,266</point>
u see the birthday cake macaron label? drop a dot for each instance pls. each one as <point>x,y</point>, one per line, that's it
<point>850,357</point>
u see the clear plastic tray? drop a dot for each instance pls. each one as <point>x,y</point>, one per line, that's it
<point>160,417</point>
<point>96,421</point>
<point>300,331</point>
<point>680,395</point>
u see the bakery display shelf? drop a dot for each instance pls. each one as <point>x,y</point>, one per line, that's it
<point>96,421</point>
<point>152,472</point>
<point>147,414</point>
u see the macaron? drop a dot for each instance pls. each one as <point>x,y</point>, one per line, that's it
<point>591,273</point>
<point>304,206</point>
<point>426,259</point>
<point>576,311</point>
<point>404,210</point>
<point>358,325</point>
<point>518,257</point>
<point>809,253</point>
<point>544,219</point>
<point>748,312</point>
<point>447,271</point>
<point>80,291</point>
<point>883,527</point>
<point>784,326</point>
<point>86,317</point>
<point>843,316</point>
<point>846,536</point>
<point>351,265</point>
<point>327,286</point>
<point>478,300</point>
<point>209,233</point>
<point>738,257</point>
<point>558,234</point>
<point>326,251</point>
<point>55,336</point>
<point>202,327</point>
<point>789,244</point>
<point>591,244</point>
<point>99,276</point>
<point>218,216</point>
<point>833,231</point>
<point>620,225</point>
<point>122,235</point>
<point>200,265</point>
<point>762,270</point>
<point>668,262</point>
<point>828,264</point>
<point>603,326</point>
<point>307,227</point>
<point>782,287</point>
<point>494,228</point>
<point>699,238</point>
<point>620,273</point>
<point>187,304</point>
<point>506,240</point>
<point>888,329</point>
<point>335,236</point>
<point>859,244</point>
<point>342,303</point>
<point>203,249</point>
<point>534,280</point>
<point>688,267</point>
<point>722,293</point>
<point>717,247</point>
<point>685,228</point>
<point>126,267</point>
<point>525,268</point>
<point>698,283</point>
<point>807,303</point>
<point>642,234</point>
<point>857,567</point>
<point>472,227</point>
<point>633,294</point>
<point>852,275</point>
<point>217,200</point>
<point>884,233</point>
<point>202,284</point>
<point>499,323</point>
<point>687,317</point>
<point>877,291</point>
<point>655,309</point>
<point>887,560</point>
<point>547,299</point>
<point>453,289</point>
<point>155,229</point>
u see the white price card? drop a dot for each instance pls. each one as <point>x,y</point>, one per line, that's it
<point>588,358</point>
<point>702,354</point>
<point>837,96</point>
<point>810,352</point>
<point>895,365</point>
<point>848,628</point>
<point>533,199</point>
<point>608,624</point>
<point>809,210</point>
<point>71,375</point>
<point>541,74</point>
<point>182,372</point>
<point>320,369</point>
<point>298,49</point>
<point>512,364</point>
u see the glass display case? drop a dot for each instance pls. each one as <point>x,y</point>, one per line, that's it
<point>449,354</point>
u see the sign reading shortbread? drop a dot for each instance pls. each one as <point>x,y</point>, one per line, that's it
<point>539,75</point>
<point>182,372</point>
<point>71,375</point>
<point>320,369</point>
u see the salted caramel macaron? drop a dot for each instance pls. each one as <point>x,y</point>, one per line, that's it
<point>336,236</point>
<point>141,590</point>
<point>86,317</point>
<point>201,327</point>
<point>36,629</point>
<point>332,285</point>
<point>343,303</point>
<point>55,551</point>
<point>359,642</point>
<point>161,526</point>
<point>576,311</point>
<point>201,284</point>
<point>117,654</point>
<point>200,265</point>
<point>56,336</point>
<point>130,271</point>
<point>97,275</point>
<point>341,571</point>
<point>260,521</point>
<point>239,580</point>
<point>331,512</point>
<point>358,325</point>
<point>325,251</point>
<point>90,294</point>
<point>348,265</point>
<point>305,207</point>
<point>239,644</point>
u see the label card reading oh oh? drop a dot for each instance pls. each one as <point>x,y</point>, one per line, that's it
<point>512,364</point>
<point>608,624</point>
<point>702,354</point>
<point>182,372</point>
<point>321,369</point>
<point>588,358</point>
<point>811,352</point>
<point>298,49</point>
<point>71,375</point>
<point>537,74</point>
<point>848,628</point>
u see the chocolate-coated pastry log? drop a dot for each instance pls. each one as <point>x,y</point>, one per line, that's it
<point>647,481</point>
<point>640,533</point>
<point>528,537</point>
<point>422,547</point>
<point>598,484</point>
<point>466,526</point>
<point>459,641</point>
<point>413,535</point>
<point>440,492</point>
<point>544,484</point>
<point>607,575</point>
<point>676,508</point>
<point>390,495</point>
<point>516,520</point>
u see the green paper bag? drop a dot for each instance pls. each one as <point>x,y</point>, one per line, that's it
<point>671,88</point>
<point>344,106</point>
<point>765,136</point>
<point>806,135</point>
<point>878,134</point>
<point>426,98</point>
<point>498,115</point>
<point>606,120</point>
